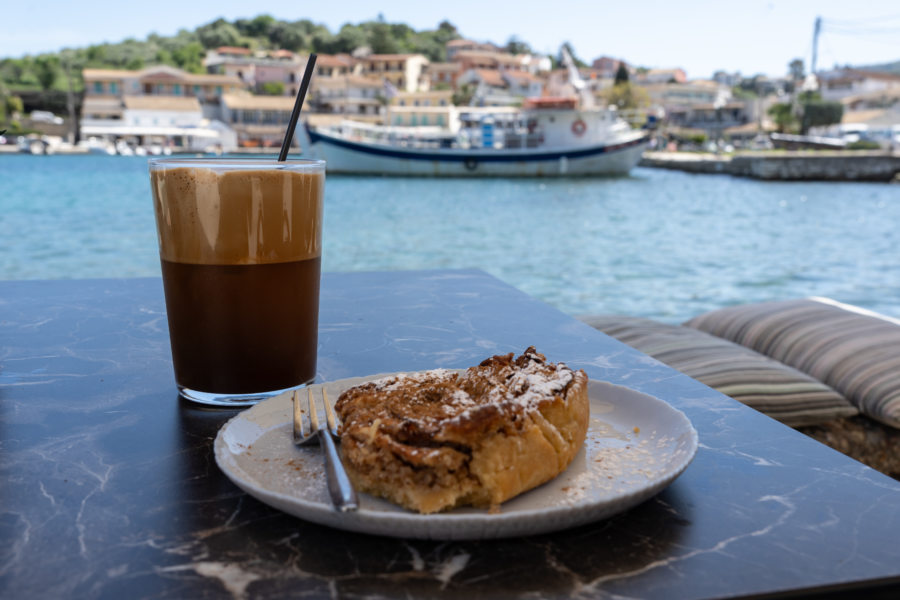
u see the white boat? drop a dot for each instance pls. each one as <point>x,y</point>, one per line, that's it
<point>546,137</point>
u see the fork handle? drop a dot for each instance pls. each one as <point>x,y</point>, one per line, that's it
<point>343,496</point>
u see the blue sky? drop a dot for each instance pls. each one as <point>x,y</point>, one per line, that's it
<point>699,36</point>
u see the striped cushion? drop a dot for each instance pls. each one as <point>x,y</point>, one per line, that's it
<point>854,351</point>
<point>777,390</point>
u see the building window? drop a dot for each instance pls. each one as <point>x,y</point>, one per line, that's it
<point>196,90</point>
<point>218,90</point>
<point>176,89</point>
<point>98,87</point>
<point>424,119</point>
<point>440,120</point>
<point>113,88</point>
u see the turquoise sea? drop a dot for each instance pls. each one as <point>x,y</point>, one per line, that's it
<point>661,244</point>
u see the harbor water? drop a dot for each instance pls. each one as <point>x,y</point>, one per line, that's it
<point>662,244</point>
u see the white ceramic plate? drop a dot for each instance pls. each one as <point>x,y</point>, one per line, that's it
<point>636,445</point>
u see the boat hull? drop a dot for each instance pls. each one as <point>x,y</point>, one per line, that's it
<point>346,156</point>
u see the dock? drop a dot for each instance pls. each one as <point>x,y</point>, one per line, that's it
<point>784,165</point>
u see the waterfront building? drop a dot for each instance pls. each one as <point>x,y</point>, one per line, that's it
<point>470,59</point>
<point>651,76</point>
<point>453,47</point>
<point>491,88</point>
<point>443,75</point>
<point>523,84</point>
<point>257,70</point>
<point>406,72</point>
<point>159,103</point>
<point>104,85</point>
<point>427,108</point>
<point>349,95</point>
<point>606,67</point>
<point>173,122</point>
<point>334,65</point>
<point>258,121</point>
<point>842,83</point>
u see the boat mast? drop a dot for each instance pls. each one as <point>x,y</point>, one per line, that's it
<point>817,28</point>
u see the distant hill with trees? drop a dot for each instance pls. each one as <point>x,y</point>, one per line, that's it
<point>891,67</point>
<point>186,49</point>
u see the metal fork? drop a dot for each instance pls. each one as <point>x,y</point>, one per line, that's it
<point>343,496</point>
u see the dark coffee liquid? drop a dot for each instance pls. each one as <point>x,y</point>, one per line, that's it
<point>240,329</point>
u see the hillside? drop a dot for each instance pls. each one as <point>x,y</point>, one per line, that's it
<point>891,67</point>
<point>186,49</point>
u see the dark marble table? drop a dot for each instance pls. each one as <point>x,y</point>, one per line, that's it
<point>108,487</point>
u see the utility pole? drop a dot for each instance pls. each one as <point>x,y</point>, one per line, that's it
<point>815,45</point>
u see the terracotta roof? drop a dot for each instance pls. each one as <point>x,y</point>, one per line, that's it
<point>281,54</point>
<point>444,66</point>
<point>380,57</point>
<point>160,72</point>
<point>179,103</point>
<point>491,77</point>
<point>888,94</point>
<point>97,74</point>
<point>862,74</point>
<point>330,60</point>
<point>190,78</point>
<point>500,57</point>
<point>236,101</point>
<point>233,50</point>
<point>523,76</point>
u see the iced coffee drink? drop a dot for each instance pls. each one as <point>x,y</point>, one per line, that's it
<point>240,246</point>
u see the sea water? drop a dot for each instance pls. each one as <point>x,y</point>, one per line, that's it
<point>661,244</point>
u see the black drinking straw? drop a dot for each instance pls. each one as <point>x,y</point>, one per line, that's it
<point>295,114</point>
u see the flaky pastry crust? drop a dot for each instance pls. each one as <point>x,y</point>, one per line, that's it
<point>435,440</point>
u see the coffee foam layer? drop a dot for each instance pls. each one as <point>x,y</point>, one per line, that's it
<point>237,217</point>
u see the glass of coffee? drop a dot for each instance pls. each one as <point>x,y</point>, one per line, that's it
<point>240,243</point>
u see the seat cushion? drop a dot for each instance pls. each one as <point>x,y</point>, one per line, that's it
<point>854,351</point>
<point>774,389</point>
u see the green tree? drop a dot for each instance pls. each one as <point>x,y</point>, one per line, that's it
<point>46,69</point>
<point>621,74</point>
<point>259,26</point>
<point>796,69</point>
<point>381,41</point>
<point>627,96</point>
<point>218,33</point>
<point>463,94</point>
<point>190,57</point>
<point>272,88</point>
<point>288,36</point>
<point>12,70</point>
<point>783,116</point>
<point>516,46</point>
<point>818,113</point>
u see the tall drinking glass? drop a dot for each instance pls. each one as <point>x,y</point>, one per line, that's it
<point>240,243</point>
